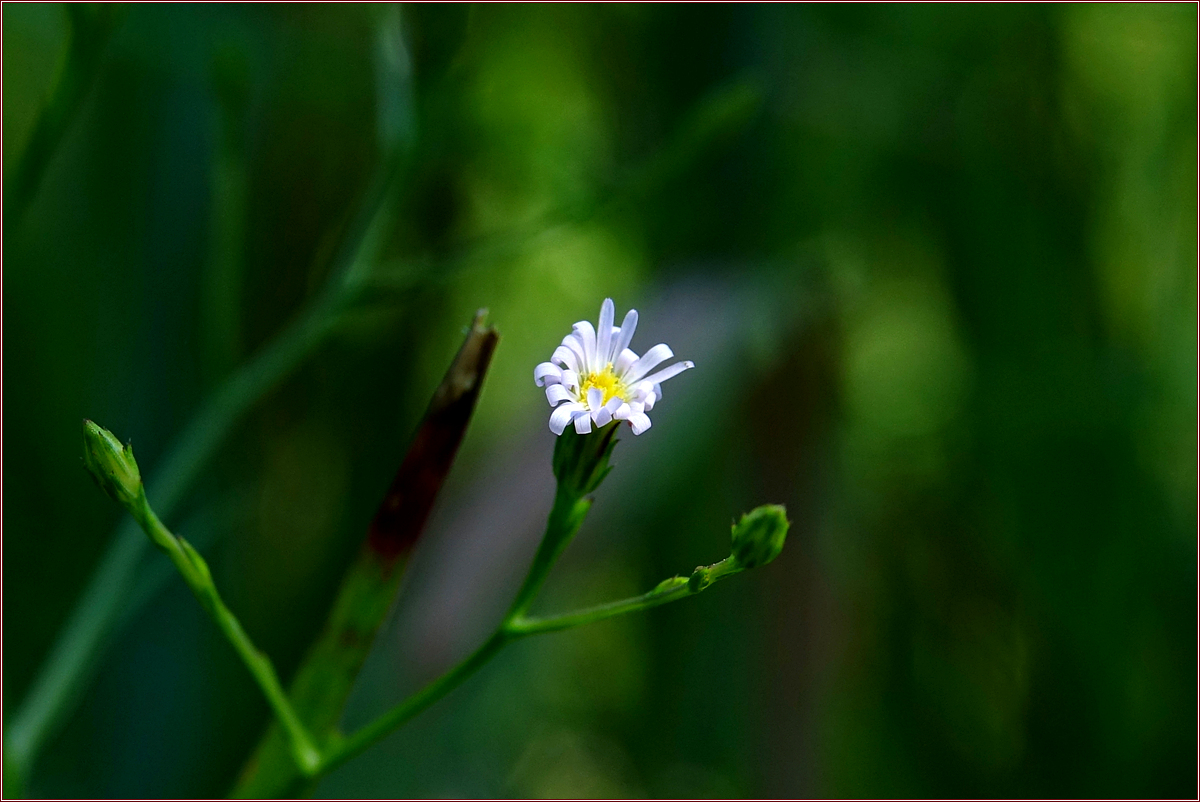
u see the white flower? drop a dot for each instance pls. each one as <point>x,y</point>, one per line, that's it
<point>593,377</point>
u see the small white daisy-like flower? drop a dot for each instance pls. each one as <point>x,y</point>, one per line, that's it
<point>593,377</point>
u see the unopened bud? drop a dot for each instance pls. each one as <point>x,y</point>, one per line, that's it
<point>111,464</point>
<point>758,537</point>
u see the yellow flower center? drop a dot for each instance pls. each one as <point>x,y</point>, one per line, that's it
<point>606,381</point>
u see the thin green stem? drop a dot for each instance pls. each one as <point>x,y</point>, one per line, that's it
<point>579,464</point>
<point>197,576</point>
<point>397,716</point>
<point>102,602</point>
<point>538,625</point>
<point>671,590</point>
<point>565,518</point>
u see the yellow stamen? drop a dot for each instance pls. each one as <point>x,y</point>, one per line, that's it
<point>606,381</point>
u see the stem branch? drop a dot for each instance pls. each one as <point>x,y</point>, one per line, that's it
<point>671,590</point>
<point>401,713</point>
<point>565,518</point>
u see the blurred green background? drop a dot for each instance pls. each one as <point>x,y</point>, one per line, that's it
<point>936,266</point>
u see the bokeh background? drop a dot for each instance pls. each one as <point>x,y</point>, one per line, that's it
<point>936,266</point>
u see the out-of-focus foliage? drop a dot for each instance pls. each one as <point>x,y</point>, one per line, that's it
<point>937,269</point>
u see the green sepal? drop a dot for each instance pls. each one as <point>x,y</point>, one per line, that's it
<point>581,461</point>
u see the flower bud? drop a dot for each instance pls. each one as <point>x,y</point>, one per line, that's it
<point>111,464</point>
<point>758,537</point>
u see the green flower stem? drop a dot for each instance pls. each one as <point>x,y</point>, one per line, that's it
<point>580,465</point>
<point>566,516</point>
<point>673,589</point>
<point>68,665</point>
<point>397,716</point>
<point>197,576</point>
<point>73,657</point>
<point>565,519</point>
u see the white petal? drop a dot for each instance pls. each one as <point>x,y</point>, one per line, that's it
<point>653,397</point>
<point>607,412</point>
<point>570,380</point>
<point>622,412</point>
<point>563,415</point>
<point>604,332</point>
<point>556,394</point>
<point>650,360</point>
<point>595,398</point>
<point>583,424</point>
<point>587,335</point>
<point>566,357</point>
<point>667,373</point>
<point>547,373</point>
<point>640,392</point>
<point>628,327</point>
<point>574,343</point>
<point>624,360</point>
<point>639,421</point>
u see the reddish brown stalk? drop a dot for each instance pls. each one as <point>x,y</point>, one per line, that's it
<point>323,682</point>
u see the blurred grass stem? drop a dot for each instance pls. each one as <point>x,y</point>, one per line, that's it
<point>68,665</point>
<point>91,27</point>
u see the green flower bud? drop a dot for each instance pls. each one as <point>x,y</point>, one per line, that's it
<point>699,580</point>
<point>111,464</point>
<point>581,460</point>
<point>758,537</point>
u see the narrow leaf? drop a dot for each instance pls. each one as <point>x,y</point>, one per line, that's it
<point>326,676</point>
